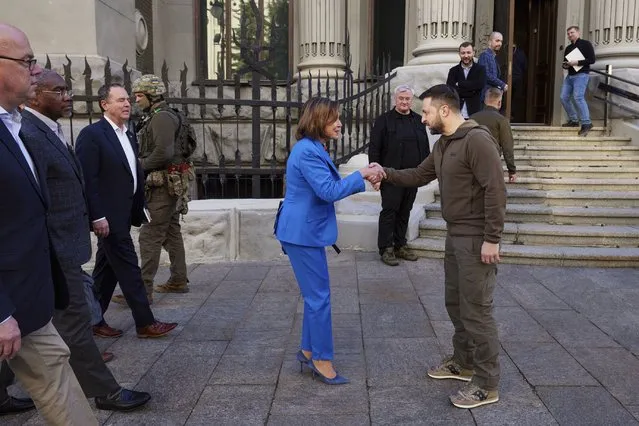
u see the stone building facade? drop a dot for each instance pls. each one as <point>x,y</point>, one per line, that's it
<point>422,36</point>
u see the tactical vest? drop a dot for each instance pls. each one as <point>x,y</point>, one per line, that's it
<point>185,142</point>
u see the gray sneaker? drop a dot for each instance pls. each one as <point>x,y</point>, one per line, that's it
<point>472,396</point>
<point>449,369</point>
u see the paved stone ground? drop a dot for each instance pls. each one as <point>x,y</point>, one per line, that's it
<point>570,342</point>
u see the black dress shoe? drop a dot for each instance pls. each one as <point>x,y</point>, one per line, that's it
<point>16,405</point>
<point>123,400</point>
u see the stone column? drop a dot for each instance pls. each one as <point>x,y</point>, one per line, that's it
<point>321,36</point>
<point>442,25</point>
<point>614,32</point>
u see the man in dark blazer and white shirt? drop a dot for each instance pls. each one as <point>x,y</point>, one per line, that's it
<point>31,282</point>
<point>115,193</point>
<point>70,237</point>
<point>468,79</point>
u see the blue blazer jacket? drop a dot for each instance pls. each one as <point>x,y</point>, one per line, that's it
<point>307,215</point>
<point>109,179</point>
<point>31,281</point>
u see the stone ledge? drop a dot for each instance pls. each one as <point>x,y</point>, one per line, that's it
<point>545,255</point>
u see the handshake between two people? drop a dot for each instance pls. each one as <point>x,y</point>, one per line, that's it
<point>374,173</point>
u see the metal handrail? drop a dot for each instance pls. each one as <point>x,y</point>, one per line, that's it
<point>609,75</point>
<point>609,90</point>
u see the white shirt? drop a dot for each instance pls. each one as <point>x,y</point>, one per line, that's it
<point>12,121</point>
<point>120,132</point>
<point>464,110</point>
<point>53,125</point>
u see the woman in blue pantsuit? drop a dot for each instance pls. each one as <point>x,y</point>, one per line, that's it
<point>306,224</point>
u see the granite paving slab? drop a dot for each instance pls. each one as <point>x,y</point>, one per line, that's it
<point>319,420</point>
<point>399,361</point>
<point>232,405</point>
<point>615,368</point>
<point>584,405</point>
<point>395,320</point>
<point>569,348</point>
<point>571,328</point>
<point>516,325</point>
<point>547,364</point>
<point>423,404</point>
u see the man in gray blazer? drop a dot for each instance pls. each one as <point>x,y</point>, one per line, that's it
<point>68,222</point>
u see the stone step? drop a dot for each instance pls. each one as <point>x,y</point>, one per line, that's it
<point>578,151</point>
<point>562,215</point>
<point>588,172</point>
<point>576,183</point>
<point>607,257</point>
<point>569,198</point>
<point>554,131</point>
<point>576,161</point>
<point>591,141</point>
<point>537,234</point>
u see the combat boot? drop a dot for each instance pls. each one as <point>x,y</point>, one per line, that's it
<point>170,287</point>
<point>388,257</point>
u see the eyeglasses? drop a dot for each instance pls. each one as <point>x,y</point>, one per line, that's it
<point>30,62</point>
<point>60,93</point>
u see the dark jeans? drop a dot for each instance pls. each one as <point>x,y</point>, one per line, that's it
<point>397,203</point>
<point>469,301</point>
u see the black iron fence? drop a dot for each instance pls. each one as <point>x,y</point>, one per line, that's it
<point>233,161</point>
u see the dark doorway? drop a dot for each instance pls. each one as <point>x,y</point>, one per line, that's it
<point>388,31</point>
<point>533,63</point>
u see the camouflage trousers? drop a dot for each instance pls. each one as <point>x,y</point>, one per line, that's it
<point>163,231</point>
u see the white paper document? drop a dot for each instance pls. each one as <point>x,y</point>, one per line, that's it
<point>575,55</point>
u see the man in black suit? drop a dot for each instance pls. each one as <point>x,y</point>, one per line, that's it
<point>468,79</point>
<point>69,233</point>
<point>115,193</point>
<point>31,282</point>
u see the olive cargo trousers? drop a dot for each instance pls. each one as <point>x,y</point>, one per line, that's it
<point>469,287</point>
<point>163,231</point>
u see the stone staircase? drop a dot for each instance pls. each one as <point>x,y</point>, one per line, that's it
<point>575,203</point>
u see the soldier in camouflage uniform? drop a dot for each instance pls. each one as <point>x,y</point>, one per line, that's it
<point>165,168</point>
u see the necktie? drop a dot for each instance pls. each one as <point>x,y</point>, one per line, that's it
<point>60,135</point>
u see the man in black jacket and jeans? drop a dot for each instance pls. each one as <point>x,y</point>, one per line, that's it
<point>398,140</point>
<point>576,82</point>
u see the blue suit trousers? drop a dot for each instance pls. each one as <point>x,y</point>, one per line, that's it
<point>311,271</point>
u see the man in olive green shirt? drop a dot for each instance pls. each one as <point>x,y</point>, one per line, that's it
<point>499,127</point>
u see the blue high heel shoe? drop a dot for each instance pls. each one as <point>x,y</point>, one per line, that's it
<point>337,380</point>
<point>303,360</point>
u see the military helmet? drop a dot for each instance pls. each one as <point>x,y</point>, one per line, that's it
<point>149,84</point>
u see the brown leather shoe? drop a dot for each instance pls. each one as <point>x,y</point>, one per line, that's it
<point>103,330</point>
<point>157,329</point>
<point>107,356</point>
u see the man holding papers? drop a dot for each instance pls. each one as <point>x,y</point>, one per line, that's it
<point>579,55</point>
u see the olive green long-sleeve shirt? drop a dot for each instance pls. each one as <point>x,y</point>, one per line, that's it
<point>499,127</point>
<point>157,140</point>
